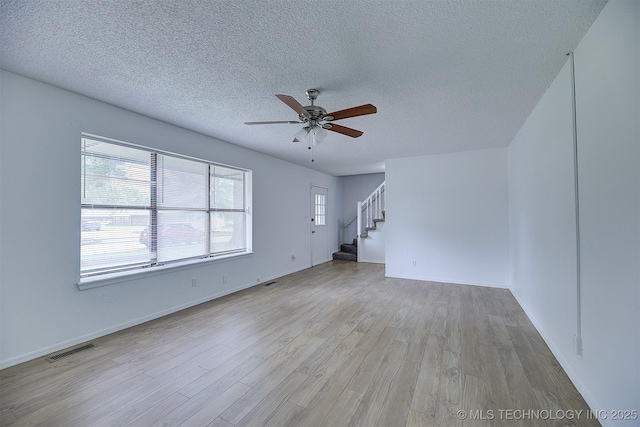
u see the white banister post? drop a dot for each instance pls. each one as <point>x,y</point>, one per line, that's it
<point>375,206</point>
<point>359,220</point>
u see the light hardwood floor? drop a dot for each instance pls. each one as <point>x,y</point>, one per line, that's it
<point>336,344</point>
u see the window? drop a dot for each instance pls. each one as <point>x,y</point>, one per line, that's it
<point>320,205</point>
<point>142,208</point>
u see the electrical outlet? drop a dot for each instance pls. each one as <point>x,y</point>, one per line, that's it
<point>194,283</point>
<point>293,257</point>
<point>225,278</point>
<point>413,263</point>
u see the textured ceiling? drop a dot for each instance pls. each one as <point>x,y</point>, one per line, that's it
<point>445,75</point>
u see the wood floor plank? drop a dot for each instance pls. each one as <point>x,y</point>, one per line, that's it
<point>7,417</point>
<point>131,405</point>
<point>284,362</point>
<point>425,396</point>
<point>321,374</point>
<point>198,413</point>
<point>283,415</point>
<point>522,394</point>
<point>502,341</point>
<point>219,422</point>
<point>449,391</point>
<point>344,409</point>
<point>223,375</point>
<point>493,375</point>
<point>272,373</point>
<point>395,409</point>
<point>475,401</point>
<point>372,404</point>
<point>263,411</point>
<point>533,368</point>
<point>336,344</point>
<point>447,322</point>
<point>363,376</point>
<point>423,326</point>
<point>156,412</point>
<point>571,399</point>
<point>418,419</point>
<point>326,398</point>
<point>333,343</point>
<point>212,410</point>
<point>60,412</point>
<point>551,402</point>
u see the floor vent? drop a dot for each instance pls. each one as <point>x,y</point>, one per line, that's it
<point>69,353</point>
<point>269,283</point>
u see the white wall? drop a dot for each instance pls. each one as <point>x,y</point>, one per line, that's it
<point>372,248</point>
<point>41,308</point>
<point>355,189</point>
<point>449,214</point>
<point>542,214</point>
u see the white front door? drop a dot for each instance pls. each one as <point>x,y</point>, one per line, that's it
<point>319,221</point>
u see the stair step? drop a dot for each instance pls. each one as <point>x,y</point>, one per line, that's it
<point>352,249</point>
<point>377,220</point>
<point>345,256</point>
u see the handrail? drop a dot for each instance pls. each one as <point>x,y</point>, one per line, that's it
<point>344,229</point>
<point>351,222</point>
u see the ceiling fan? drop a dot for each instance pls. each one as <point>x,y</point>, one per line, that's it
<point>316,120</point>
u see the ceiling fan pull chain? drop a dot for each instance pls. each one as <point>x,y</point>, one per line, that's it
<point>310,146</point>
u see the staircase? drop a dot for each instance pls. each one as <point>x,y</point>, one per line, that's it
<point>347,252</point>
<point>371,213</point>
<point>373,226</point>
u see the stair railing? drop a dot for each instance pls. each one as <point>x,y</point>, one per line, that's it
<point>371,209</point>
<point>344,229</point>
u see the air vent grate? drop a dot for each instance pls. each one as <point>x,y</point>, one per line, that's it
<point>69,353</point>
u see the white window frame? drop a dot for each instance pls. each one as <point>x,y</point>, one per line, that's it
<point>153,267</point>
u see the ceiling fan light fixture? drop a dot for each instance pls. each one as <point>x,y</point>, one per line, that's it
<point>302,133</point>
<point>319,134</point>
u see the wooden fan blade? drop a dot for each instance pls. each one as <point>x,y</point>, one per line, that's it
<point>271,123</point>
<point>353,133</point>
<point>295,105</point>
<point>360,110</point>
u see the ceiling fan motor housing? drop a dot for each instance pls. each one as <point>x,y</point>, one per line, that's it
<point>315,113</point>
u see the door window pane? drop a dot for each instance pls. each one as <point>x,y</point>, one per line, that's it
<point>320,204</point>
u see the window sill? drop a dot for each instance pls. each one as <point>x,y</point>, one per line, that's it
<point>126,276</point>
